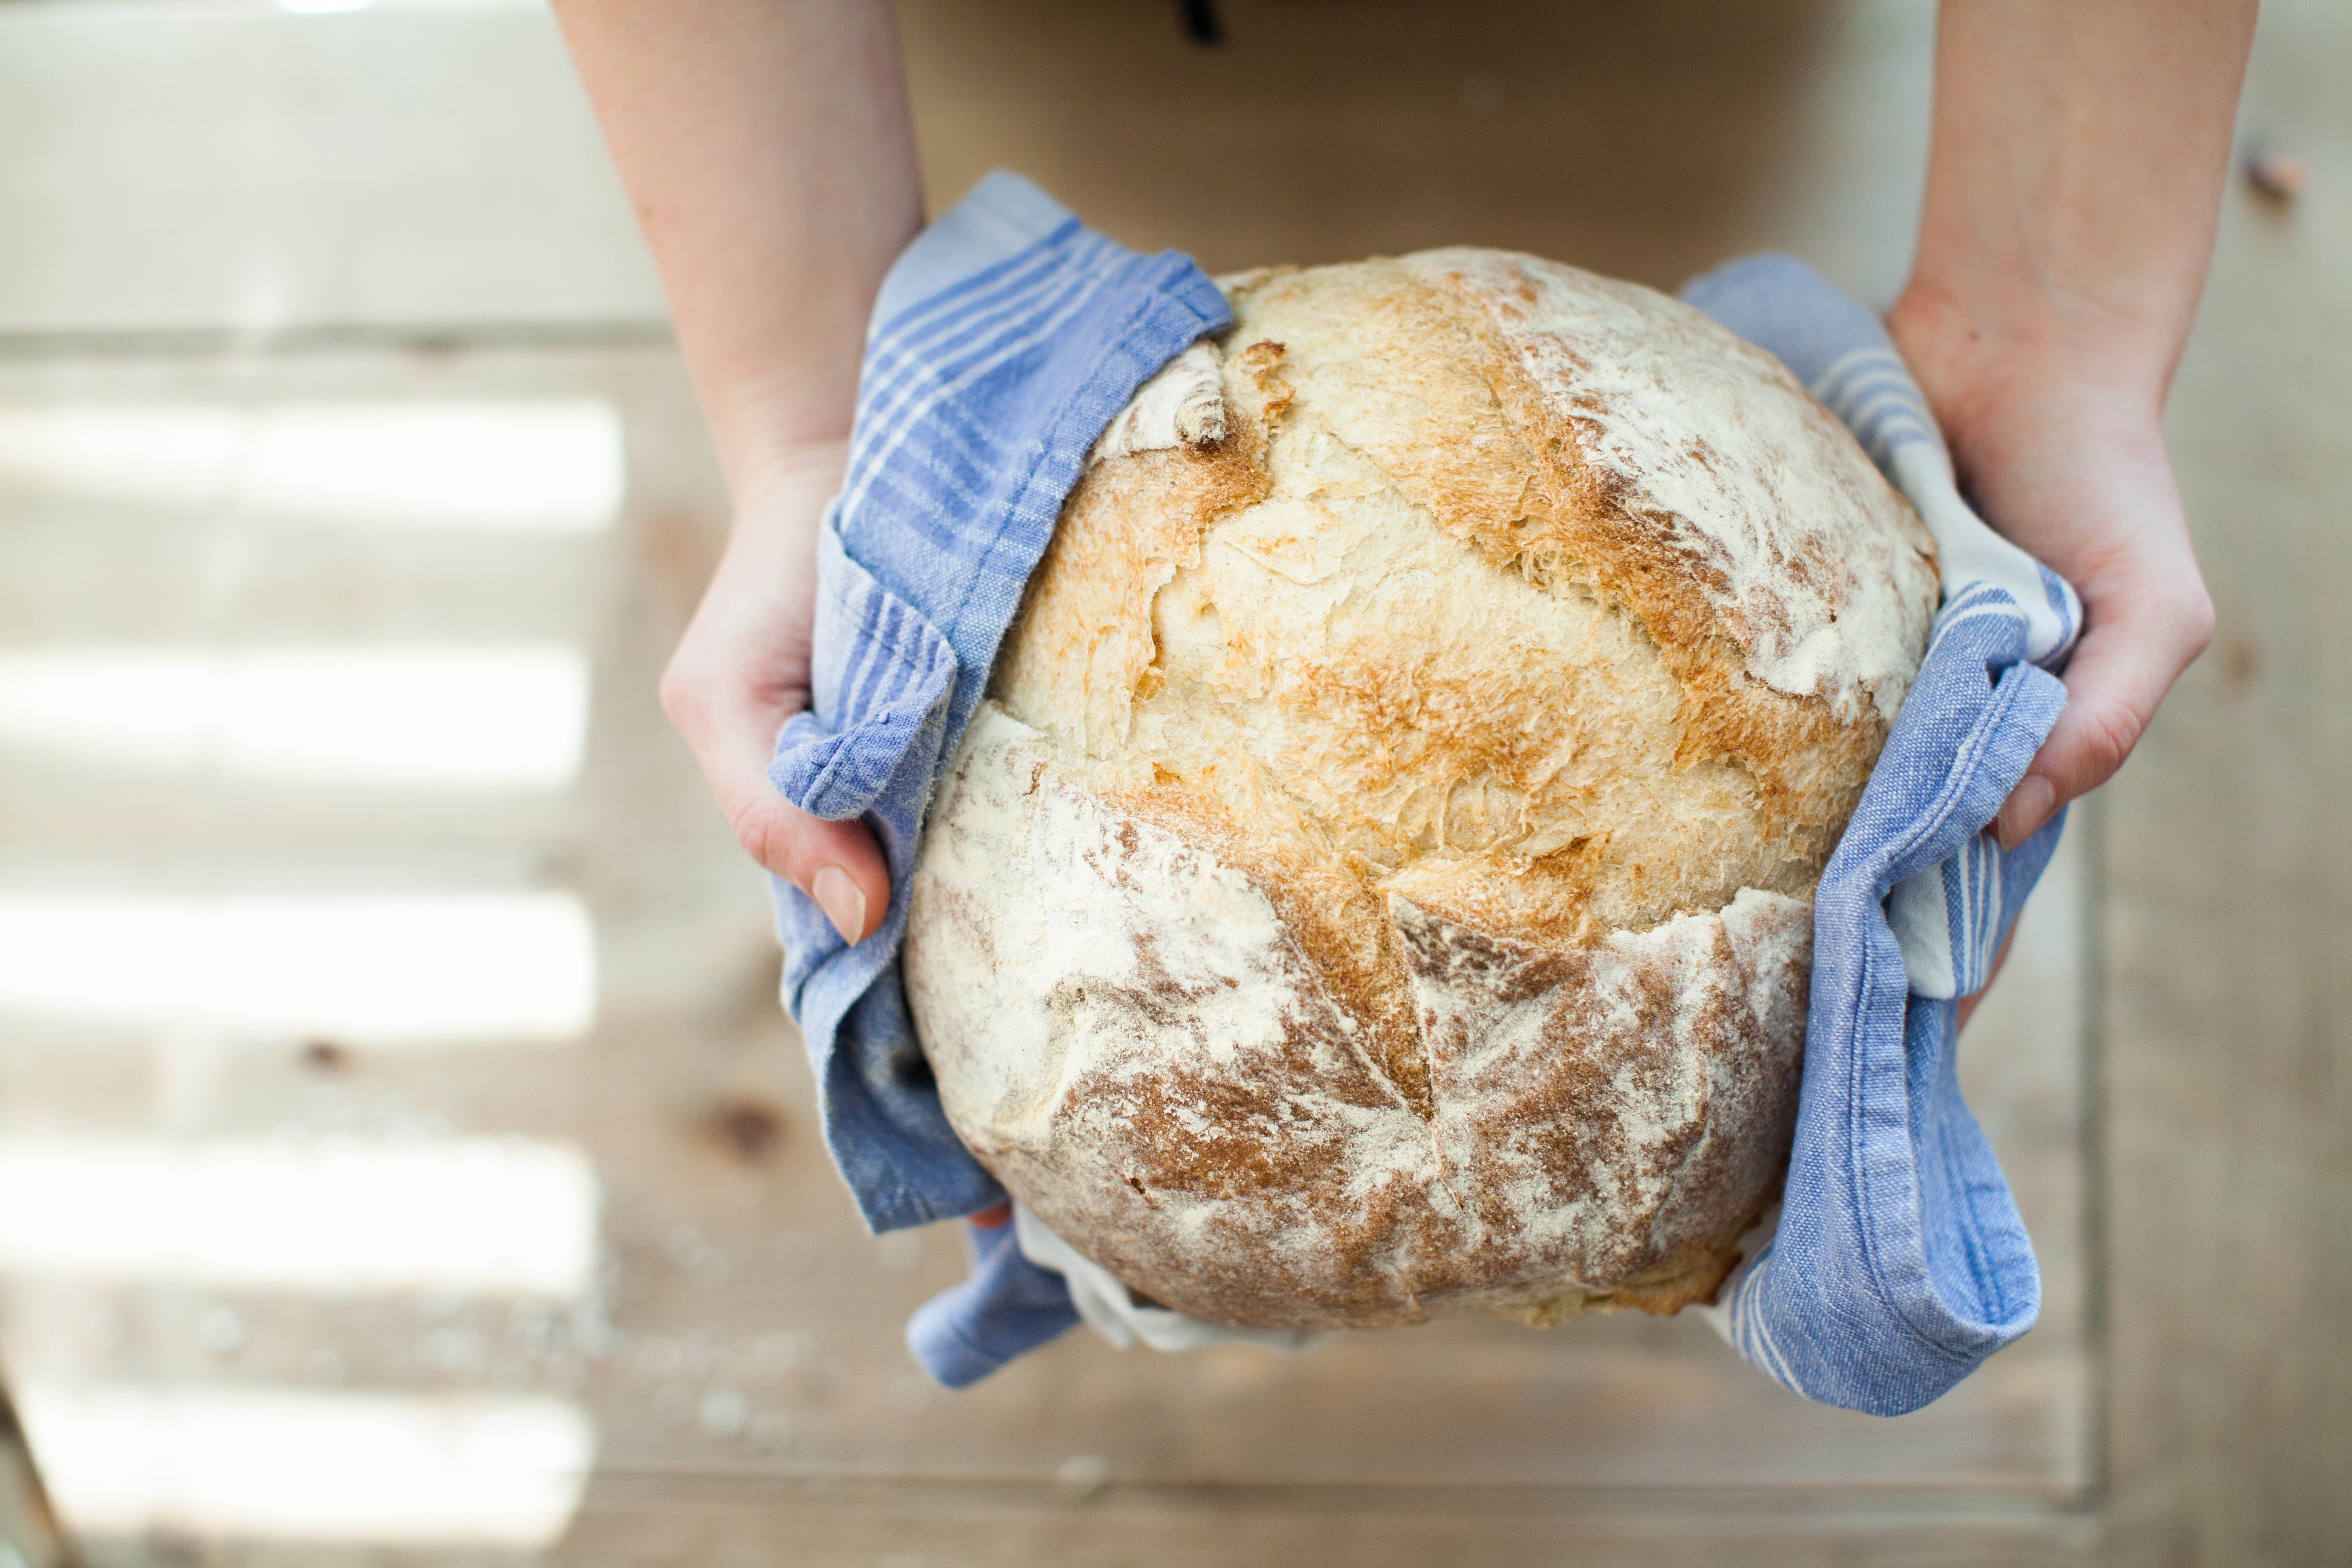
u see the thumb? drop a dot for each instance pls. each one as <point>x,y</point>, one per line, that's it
<point>837,864</point>
<point>2116,678</point>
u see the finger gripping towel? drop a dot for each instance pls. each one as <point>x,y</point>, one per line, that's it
<point>1899,1262</point>
<point>1005,342</point>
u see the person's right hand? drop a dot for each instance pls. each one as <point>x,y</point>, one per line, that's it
<point>742,668</point>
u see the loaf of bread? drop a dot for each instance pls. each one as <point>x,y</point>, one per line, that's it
<point>1379,884</point>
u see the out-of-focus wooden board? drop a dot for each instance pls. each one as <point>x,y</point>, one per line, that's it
<point>2228,1059</point>
<point>224,169</point>
<point>624,1525</point>
<point>1645,141</point>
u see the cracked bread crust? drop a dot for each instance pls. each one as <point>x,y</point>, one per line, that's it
<point>1145,1052</point>
<point>1380,883</point>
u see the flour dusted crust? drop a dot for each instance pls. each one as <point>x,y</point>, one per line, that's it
<point>1380,883</point>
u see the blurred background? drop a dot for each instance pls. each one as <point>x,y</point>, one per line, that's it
<point>402,1158</point>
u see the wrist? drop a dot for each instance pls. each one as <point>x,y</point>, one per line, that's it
<point>1980,360</point>
<point>781,474</point>
<point>776,419</point>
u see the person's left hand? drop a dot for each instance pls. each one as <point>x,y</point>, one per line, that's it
<point>2059,448</point>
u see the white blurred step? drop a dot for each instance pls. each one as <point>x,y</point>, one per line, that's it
<point>197,168</point>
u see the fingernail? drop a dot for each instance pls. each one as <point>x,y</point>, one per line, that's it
<point>842,904</point>
<point>2026,809</point>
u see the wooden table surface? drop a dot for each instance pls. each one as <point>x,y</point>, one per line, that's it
<point>227,208</point>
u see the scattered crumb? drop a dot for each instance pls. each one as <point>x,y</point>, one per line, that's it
<point>1083,1475</point>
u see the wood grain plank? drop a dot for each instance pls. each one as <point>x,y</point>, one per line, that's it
<point>2228,1053</point>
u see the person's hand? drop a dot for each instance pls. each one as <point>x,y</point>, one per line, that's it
<point>2075,170</point>
<point>2060,449</point>
<point>742,668</point>
<point>770,158</point>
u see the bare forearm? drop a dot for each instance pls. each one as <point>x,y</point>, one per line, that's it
<point>2074,184</point>
<point>2074,180</point>
<point>765,146</point>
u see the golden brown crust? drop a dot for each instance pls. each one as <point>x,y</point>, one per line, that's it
<point>1144,1051</point>
<point>1379,883</point>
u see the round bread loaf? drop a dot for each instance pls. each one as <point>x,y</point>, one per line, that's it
<point>1380,883</point>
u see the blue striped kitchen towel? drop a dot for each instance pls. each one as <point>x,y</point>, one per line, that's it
<point>1004,341</point>
<point>1898,1263</point>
